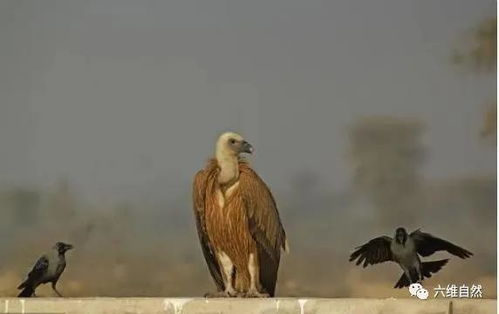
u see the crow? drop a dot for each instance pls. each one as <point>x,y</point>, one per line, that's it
<point>404,250</point>
<point>48,268</point>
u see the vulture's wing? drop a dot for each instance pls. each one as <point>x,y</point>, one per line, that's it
<point>198,196</point>
<point>373,252</point>
<point>426,244</point>
<point>37,273</point>
<point>264,224</point>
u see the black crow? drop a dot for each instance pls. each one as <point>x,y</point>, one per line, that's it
<point>404,250</point>
<point>48,268</point>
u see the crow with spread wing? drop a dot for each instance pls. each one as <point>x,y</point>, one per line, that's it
<point>404,249</point>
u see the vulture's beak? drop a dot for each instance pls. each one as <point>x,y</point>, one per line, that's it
<point>246,148</point>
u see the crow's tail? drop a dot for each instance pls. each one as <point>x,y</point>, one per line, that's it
<point>404,281</point>
<point>27,292</point>
<point>428,268</point>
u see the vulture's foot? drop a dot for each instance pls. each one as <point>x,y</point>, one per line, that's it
<point>256,294</point>
<point>221,294</point>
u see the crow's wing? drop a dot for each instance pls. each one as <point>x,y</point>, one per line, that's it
<point>198,196</point>
<point>373,252</point>
<point>426,244</point>
<point>37,273</point>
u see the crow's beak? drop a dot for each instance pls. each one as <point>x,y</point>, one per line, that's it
<point>246,148</point>
<point>69,247</point>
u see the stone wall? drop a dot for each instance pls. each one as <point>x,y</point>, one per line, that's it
<point>244,306</point>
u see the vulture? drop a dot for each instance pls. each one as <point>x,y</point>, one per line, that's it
<point>404,249</point>
<point>238,224</point>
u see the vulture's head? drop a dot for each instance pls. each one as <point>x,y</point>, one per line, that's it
<point>400,236</point>
<point>232,145</point>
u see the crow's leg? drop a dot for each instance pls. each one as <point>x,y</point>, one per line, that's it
<point>420,274</point>
<point>55,289</point>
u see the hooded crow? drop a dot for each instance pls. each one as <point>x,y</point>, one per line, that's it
<point>403,249</point>
<point>48,268</point>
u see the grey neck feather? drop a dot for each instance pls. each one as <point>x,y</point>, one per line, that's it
<point>229,169</point>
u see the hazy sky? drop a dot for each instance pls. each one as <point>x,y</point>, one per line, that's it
<point>121,95</point>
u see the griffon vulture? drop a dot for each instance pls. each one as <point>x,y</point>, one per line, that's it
<point>238,223</point>
<point>403,249</point>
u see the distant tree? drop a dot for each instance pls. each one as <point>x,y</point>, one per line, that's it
<point>62,203</point>
<point>489,128</point>
<point>480,56</point>
<point>386,154</point>
<point>24,204</point>
<point>481,52</point>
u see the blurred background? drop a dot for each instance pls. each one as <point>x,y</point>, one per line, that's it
<point>365,116</point>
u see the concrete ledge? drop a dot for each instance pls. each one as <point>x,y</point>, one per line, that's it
<point>244,306</point>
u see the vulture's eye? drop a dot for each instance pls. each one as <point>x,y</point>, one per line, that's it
<point>232,141</point>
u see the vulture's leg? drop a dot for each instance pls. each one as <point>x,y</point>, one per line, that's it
<point>55,289</point>
<point>254,279</point>
<point>228,274</point>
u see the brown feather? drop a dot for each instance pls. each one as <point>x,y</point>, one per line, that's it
<point>265,224</point>
<point>262,209</point>
<point>199,197</point>
<point>247,222</point>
